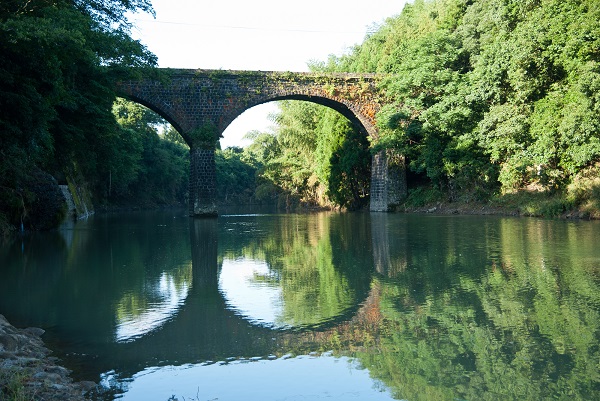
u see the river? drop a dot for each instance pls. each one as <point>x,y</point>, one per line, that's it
<point>159,306</point>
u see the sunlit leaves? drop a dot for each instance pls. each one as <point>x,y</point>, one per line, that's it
<point>318,157</point>
<point>110,13</point>
<point>517,81</point>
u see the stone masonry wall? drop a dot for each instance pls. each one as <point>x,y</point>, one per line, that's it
<point>202,182</point>
<point>388,181</point>
<point>199,102</point>
<point>378,190</point>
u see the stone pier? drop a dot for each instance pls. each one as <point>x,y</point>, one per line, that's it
<point>203,187</point>
<point>388,181</point>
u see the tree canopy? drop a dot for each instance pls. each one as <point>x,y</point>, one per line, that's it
<point>485,98</point>
<point>489,94</point>
<point>55,93</point>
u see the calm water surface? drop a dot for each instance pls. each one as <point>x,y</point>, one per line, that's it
<point>158,306</point>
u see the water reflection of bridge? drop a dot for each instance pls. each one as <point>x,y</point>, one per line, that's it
<point>148,293</point>
<point>205,328</point>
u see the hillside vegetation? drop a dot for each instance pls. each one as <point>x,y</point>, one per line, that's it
<point>58,117</point>
<point>493,101</point>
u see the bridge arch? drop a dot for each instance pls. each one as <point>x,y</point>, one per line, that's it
<point>162,112</point>
<point>347,110</point>
<point>200,104</point>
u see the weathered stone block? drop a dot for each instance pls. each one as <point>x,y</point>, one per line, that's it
<point>388,180</point>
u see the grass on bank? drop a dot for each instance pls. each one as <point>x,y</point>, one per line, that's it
<point>580,199</point>
<point>12,385</point>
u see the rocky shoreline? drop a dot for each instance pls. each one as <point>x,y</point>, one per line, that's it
<point>28,372</point>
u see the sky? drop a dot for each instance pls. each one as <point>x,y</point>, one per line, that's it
<point>265,35</point>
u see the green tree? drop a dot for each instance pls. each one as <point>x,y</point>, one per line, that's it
<point>145,169</point>
<point>55,96</point>
<point>347,169</point>
<point>488,94</point>
<point>236,176</point>
<point>322,159</point>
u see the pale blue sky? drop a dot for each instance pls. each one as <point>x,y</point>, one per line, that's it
<point>267,35</point>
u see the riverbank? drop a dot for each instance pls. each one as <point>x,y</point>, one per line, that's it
<point>577,204</point>
<point>29,372</point>
<point>481,209</point>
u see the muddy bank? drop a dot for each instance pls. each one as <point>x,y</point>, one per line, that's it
<point>29,372</point>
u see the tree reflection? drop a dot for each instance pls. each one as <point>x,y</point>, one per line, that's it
<point>299,266</point>
<point>437,308</point>
<point>523,326</point>
<point>142,311</point>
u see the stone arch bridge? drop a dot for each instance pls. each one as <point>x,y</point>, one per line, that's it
<point>200,104</point>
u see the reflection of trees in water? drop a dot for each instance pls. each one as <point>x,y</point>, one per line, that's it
<point>360,333</point>
<point>524,327</point>
<point>462,308</point>
<point>474,309</point>
<point>304,255</point>
<point>154,290</point>
<point>140,312</point>
<point>76,286</point>
<point>313,290</point>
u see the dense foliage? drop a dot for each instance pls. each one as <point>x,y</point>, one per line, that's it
<point>487,99</point>
<point>55,97</point>
<point>236,176</point>
<point>314,157</point>
<point>154,160</point>
<point>490,95</point>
